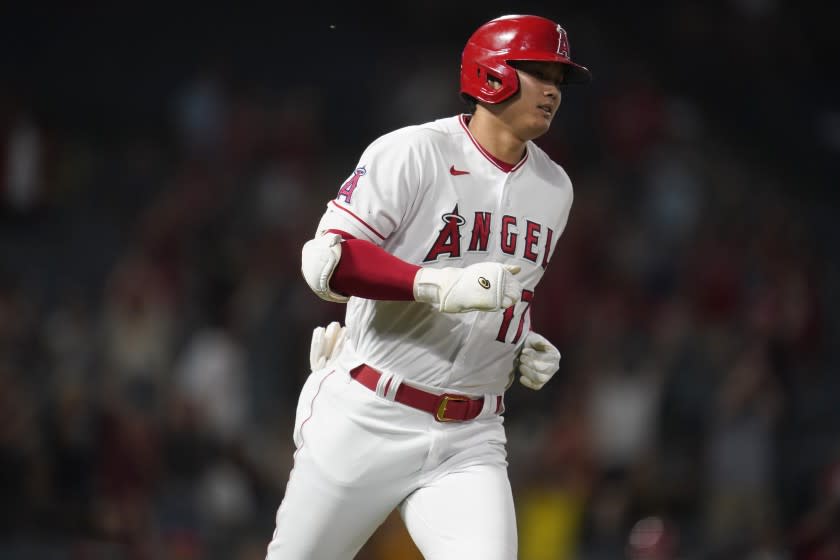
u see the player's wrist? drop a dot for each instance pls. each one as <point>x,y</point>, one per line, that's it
<point>427,285</point>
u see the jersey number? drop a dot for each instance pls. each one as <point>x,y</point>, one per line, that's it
<point>507,319</point>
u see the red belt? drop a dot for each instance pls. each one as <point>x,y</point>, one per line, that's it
<point>445,408</point>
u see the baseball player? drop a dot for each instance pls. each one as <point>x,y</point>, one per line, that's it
<point>436,243</point>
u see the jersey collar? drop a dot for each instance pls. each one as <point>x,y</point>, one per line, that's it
<point>464,119</point>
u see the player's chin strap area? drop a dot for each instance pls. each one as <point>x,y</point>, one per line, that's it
<point>446,407</point>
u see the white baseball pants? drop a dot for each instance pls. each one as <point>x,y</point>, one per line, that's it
<point>359,456</point>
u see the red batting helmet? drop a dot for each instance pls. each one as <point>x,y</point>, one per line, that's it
<point>507,39</point>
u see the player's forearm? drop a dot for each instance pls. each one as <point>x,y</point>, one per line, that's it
<point>368,271</point>
<point>337,266</point>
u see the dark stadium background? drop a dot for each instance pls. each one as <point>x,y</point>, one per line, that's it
<point>160,169</point>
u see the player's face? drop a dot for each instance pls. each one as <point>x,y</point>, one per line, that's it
<point>533,108</point>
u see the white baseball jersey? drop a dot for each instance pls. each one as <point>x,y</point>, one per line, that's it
<point>430,195</point>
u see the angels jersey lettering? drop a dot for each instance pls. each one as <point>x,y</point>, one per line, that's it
<point>450,238</point>
<point>430,195</point>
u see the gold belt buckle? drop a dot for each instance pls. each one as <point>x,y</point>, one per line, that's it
<point>440,415</point>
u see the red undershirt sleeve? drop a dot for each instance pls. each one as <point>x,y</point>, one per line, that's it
<point>368,271</point>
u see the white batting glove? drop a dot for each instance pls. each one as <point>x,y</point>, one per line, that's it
<point>538,361</point>
<point>326,345</point>
<point>319,258</point>
<point>487,286</point>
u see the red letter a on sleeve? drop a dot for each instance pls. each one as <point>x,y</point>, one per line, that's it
<point>347,188</point>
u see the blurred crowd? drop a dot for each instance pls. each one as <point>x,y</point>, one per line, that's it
<point>154,327</point>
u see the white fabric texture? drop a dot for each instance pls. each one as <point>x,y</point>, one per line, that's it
<point>366,453</point>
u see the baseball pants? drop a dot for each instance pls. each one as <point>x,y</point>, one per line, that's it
<point>359,456</point>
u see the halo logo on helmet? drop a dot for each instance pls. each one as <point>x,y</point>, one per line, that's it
<point>490,50</point>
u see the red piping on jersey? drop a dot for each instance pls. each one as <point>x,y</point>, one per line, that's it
<point>364,223</point>
<point>503,165</point>
<point>311,410</point>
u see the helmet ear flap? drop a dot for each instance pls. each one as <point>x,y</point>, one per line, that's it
<point>496,84</point>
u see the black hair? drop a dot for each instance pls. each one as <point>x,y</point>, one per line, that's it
<point>470,101</point>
